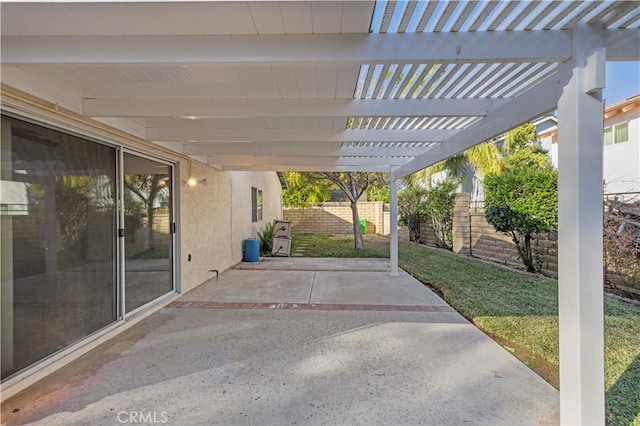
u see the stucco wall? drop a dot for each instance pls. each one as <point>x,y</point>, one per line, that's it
<point>216,218</point>
<point>213,218</point>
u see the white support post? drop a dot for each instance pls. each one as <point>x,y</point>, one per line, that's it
<point>580,243</point>
<point>393,223</point>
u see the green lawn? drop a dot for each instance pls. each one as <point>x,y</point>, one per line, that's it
<point>328,246</point>
<point>519,311</point>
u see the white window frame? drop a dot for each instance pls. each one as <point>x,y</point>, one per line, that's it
<point>257,202</point>
<point>613,129</point>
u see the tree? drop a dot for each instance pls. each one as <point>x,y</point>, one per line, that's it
<point>522,202</point>
<point>519,148</point>
<point>439,208</point>
<point>72,194</point>
<point>517,139</point>
<point>379,189</point>
<point>483,158</point>
<point>412,208</point>
<point>147,188</point>
<point>354,184</point>
<point>305,189</point>
<point>622,242</point>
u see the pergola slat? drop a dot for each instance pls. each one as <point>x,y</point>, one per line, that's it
<point>187,134</point>
<point>217,89</point>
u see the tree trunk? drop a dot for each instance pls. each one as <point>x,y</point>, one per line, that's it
<point>151,198</point>
<point>437,228</point>
<point>524,251</point>
<point>528,254</point>
<point>414,228</point>
<point>357,234</point>
<point>149,242</point>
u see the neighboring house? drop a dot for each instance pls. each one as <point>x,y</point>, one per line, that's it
<point>472,184</point>
<point>547,136</point>
<point>621,157</point>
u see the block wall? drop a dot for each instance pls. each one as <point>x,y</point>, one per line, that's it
<point>335,218</point>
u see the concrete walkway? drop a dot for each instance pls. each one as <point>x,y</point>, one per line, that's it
<point>295,341</point>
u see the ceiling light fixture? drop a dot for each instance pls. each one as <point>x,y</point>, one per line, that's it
<point>191,180</point>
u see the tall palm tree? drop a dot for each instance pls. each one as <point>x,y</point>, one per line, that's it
<point>483,158</point>
<point>487,157</point>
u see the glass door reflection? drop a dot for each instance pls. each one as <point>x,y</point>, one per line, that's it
<point>148,240</point>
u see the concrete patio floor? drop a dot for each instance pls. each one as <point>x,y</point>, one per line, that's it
<point>295,341</point>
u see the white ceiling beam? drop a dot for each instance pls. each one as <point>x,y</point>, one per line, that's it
<point>262,108</point>
<point>479,46</point>
<point>185,134</point>
<point>255,160</point>
<point>536,101</point>
<point>442,47</point>
<point>622,44</point>
<point>298,168</point>
<point>296,149</point>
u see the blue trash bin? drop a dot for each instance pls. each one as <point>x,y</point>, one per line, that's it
<point>251,250</point>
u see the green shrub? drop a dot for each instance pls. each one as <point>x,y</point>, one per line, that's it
<point>522,202</point>
<point>439,208</point>
<point>412,209</point>
<point>266,239</point>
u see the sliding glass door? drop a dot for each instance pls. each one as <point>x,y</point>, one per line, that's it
<point>86,238</point>
<point>59,260</point>
<point>148,237</point>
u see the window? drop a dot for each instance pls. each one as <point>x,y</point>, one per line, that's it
<point>616,134</point>
<point>256,205</point>
<point>621,132</point>
<point>608,136</point>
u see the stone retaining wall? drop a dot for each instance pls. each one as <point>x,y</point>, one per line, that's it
<point>474,236</point>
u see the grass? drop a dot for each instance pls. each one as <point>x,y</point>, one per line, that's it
<point>160,249</point>
<point>519,311</point>
<point>329,246</point>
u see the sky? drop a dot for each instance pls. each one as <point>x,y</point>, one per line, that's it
<point>622,80</point>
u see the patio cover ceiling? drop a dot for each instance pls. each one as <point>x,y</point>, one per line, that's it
<point>345,86</point>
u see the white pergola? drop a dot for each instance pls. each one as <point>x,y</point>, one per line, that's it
<point>355,86</point>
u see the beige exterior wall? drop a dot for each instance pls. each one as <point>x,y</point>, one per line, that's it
<point>213,218</point>
<point>216,217</point>
<point>210,226</point>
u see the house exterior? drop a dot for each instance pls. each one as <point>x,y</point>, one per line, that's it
<point>472,183</point>
<point>621,156</point>
<point>113,103</point>
<point>100,227</point>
